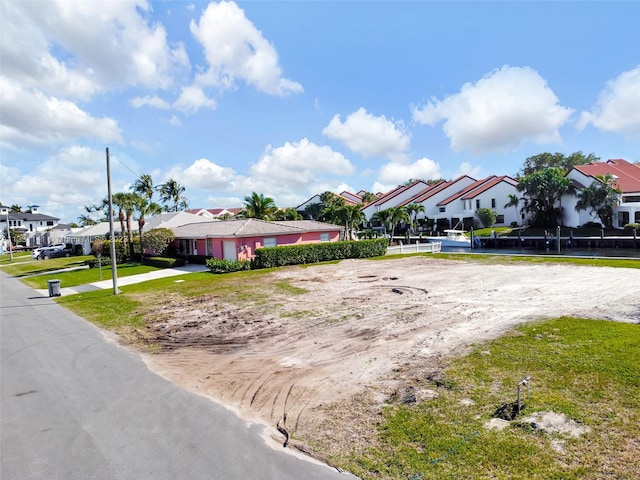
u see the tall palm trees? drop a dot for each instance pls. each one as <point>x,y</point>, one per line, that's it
<point>600,197</point>
<point>413,209</point>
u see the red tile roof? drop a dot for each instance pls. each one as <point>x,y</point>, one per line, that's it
<point>627,173</point>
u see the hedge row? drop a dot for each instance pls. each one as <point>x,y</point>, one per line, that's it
<point>163,262</point>
<point>318,252</point>
<point>215,265</point>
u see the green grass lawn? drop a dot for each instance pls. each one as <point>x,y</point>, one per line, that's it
<point>36,273</point>
<point>585,369</point>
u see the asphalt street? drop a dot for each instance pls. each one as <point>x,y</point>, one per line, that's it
<point>75,405</point>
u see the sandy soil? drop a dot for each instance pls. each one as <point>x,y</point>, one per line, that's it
<point>361,326</point>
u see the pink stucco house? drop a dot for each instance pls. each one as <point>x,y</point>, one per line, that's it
<point>238,239</point>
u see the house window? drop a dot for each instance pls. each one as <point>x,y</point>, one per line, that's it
<point>209,248</point>
<point>184,247</point>
<point>477,203</point>
<point>49,223</point>
<point>442,209</point>
<point>325,237</point>
<point>493,203</point>
<point>270,242</point>
<point>500,219</point>
<point>623,219</point>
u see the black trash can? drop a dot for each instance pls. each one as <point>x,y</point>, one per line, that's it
<point>54,288</point>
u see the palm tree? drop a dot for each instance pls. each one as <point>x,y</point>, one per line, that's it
<point>600,198</point>
<point>287,214</point>
<point>145,207</point>
<point>144,186</point>
<point>86,220</point>
<point>398,215</point>
<point>413,209</point>
<point>514,200</point>
<point>383,217</point>
<point>258,206</point>
<point>353,216</point>
<point>171,192</point>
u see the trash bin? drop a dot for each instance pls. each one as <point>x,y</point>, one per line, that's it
<point>54,288</point>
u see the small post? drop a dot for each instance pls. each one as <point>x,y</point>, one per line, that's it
<point>523,382</point>
<point>558,239</point>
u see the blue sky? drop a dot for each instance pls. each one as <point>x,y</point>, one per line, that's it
<point>295,98</point>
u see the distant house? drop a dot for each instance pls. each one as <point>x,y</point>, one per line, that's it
<point>348,198</point>
<point>239,239</point>
<point>34,225</point>
<point>626,176</point>
<point>215,213</point>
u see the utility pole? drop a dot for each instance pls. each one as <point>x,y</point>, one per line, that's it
<point>112,243</point>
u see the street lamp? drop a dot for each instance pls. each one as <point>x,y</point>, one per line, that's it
<point>5,211</point>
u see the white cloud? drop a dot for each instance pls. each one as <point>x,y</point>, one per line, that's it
<point>62,183</point>
<point>370,136</point>
<point>467,169</point>
<point>207,175</point>
<point>298,164</point>
<point>192,98</point>
<point>77,48</point>
<point>397,174</point>
<point>499,112</point>
<point>150,101</point>
<point>235,49</point>
<point>32,117</point>
<point>618,106</point>
<point>174,121</point>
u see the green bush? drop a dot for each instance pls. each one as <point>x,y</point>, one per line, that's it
<point>318,252</point>
<point>225,266</point>
<point>163,262</point>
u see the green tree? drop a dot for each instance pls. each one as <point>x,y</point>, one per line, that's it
<point>487,216</point>
<point>565,163</point>
<point>601,197</point>
<point>258,206</point>
<point>86,220</point>
<point>384,218</point>
<point>143,186</point>
<point>15,208</point>
<point>368,197</point>
<point>350,216</point>
<point>514,201</point>
<point>156,241</point>
<point>398,215</point>
<point>333,206</point>
<point>542,190</point>
<point>171,195</point>
<point>144,207</point>
<point>413,209</point>
<point>287,214</point>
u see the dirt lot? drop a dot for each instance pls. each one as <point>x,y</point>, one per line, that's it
<point>362,329</point>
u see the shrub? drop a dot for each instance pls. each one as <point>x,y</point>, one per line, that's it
<point>225,266</point>
<point>157,240</point>
<point>163,262</point>
<point>487,216</point>
<point>318,252</point>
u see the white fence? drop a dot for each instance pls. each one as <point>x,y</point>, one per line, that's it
<point>429,247</point>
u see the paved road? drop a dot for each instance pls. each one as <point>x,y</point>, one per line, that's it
<point>74,405</point>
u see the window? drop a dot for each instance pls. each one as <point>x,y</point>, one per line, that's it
<point>270,242</point>
<point>477,203</point>
<point>493,203</point>
<point>49,223</point>
<point>623,219</point>
<point>442,209</point>
<point>209,248</point>
<point>324,237</point>
<point>500,219</point>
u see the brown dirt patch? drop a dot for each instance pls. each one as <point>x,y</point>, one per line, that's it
<point>362,330</point>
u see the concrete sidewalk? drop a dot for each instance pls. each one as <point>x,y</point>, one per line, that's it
<point>130,280</point>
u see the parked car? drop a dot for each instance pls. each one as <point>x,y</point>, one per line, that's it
<point>35,253</point>
<point>47,253</point>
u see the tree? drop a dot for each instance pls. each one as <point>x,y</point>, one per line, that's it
<point>368,197</point>
<point>383,217</point>
<point>156,241</point>
<point>143,206</point>
<point>86,220</point>
<point>542,189</point>
<point>398,215</point>
<point>171,193</point>
<point>258,206</point>
<point>487,216</point>
<point>600,198</point>
<point>413,209</point>
<point>143,186</point>
<point>287,214</point>
<point>332,211</point>
<point>15,208</point>
<point>514,200</point>
<point>350,216</point>
<point>556,160</point>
